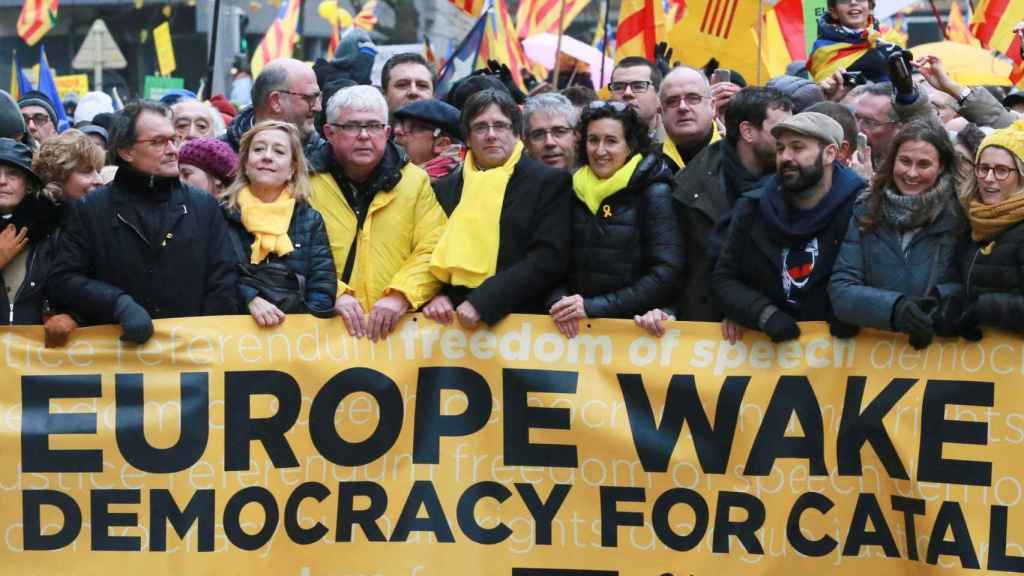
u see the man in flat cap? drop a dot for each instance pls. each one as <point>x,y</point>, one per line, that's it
<point>39,114</point>
<point>784,237</point>
<point>428,131</point>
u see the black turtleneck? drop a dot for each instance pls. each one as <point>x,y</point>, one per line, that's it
<point>143,200</point>
<point>689,151</point>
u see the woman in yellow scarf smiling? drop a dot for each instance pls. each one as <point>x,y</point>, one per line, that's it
<point>627,248</point>
<point>506,243</point>
<point>284,258</point>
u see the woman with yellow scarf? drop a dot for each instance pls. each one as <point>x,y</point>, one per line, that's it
<point>627,248</point>
<point>284,257</point>
<point>991,261</point>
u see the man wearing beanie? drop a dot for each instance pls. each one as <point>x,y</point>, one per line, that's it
<point>775,266</point>
<point>39,114</point>
<point>207,164</point>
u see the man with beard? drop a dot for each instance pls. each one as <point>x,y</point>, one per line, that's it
<point>285,90</point>
<point>777,259</point>
<point>714,180</point>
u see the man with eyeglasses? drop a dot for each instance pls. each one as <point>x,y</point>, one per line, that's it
<point>877,118</point>
<point>39,114</point>
<point>688,115</point>
<point>146,246</point>
<point>635,81</point>
<point>381,214</point>
<point>193,119</point>
<point>428,131</point>
<point>550,130</point>
<point>285,90</point>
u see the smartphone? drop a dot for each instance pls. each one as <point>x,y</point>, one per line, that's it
<point>862,142</point>
<point>721,75</point>
<point>855,78</point>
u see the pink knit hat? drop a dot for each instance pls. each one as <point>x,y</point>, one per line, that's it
<point>212,156</point>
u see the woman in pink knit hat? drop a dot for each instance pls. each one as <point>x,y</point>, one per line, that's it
<point>207,164</point>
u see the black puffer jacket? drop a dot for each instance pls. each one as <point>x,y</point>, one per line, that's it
<point>42,218</point>
<point>993,275</point>
<point>155,239</point>
<point>627,258</point>
<point>311,257</point>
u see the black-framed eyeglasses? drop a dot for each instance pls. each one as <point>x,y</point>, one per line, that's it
<point>39,119</point>
<point>482,128</point>
<point>692,99</point>
<point>357,128</point>
<point>1000,172</point>
<point>311,99</point>
<point>637,86</point>
<point>541,134</point>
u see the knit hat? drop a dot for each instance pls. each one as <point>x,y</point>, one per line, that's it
<point>211,156</point>
<point>37,98</point>
<point>91,104</point>
<point>12,124</point>
<point>1011,138</point>
<point>801,91</point>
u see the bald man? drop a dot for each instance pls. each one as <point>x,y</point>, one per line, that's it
<point>285,90</point>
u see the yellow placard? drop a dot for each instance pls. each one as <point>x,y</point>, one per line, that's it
<point>164,49</point>
<point>223,448</point>
<point>77,83</point>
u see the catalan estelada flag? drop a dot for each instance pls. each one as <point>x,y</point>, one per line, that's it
<point>501,42</point>
<point>992,24</point>
<point>783,36</point>
<point>367,16</point>
<point>637,33</point>
<point>472,7</point>
<point>279,41</point>
<point>36,19</point>
<point>829,55</point>
<point>541,16</point>
<point>956,28</point>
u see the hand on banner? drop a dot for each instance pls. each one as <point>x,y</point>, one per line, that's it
<point>385,314</point>
<point>468,316</point>
<point>568,308</point>
<point>265,313</point>
<point>352,314</point>
<point>834,87</point>
<point>136,324</point>
<point>731,331</point>
<point>569,328</point>
<point>440,309</point>
<point>12,242</point>
<point>654,321</point>
<point>57,329</point>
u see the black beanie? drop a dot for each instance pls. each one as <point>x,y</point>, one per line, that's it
<point>37,98</point>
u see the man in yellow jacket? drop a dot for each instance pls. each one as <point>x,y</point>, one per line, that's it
<point>382,217</point>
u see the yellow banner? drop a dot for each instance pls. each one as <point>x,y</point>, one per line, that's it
<point>164,49</point>
<point>77,83</point>
<point>221,448</point>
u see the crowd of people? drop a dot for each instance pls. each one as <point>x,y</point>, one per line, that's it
<point>884,196</point>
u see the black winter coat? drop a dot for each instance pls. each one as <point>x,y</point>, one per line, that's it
<point>534,240</point>
<point>311,257</point>
<point>628,261</point>
<point>42,219</point>
<point>993,276</point>
<point>186,268</point>
<point>748,275</point>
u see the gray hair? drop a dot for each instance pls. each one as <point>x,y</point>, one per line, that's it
<point>679,71</point>
<point>552,104</point>
<point>357,98</point>
<point>272,78</point>
<point>877,89</point>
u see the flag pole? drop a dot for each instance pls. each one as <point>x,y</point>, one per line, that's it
<point>558,46</point>
<point>760,39</point>
<point>938,20</point>
<point>604,40</point>
<point>211,59</point>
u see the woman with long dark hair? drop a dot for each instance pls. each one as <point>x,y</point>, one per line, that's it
<point>895,260</point>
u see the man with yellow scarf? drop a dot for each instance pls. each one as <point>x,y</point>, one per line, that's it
<point>507,241</point>
<point>382,217</point>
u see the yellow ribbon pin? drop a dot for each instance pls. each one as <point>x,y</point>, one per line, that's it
<point>606,210</point>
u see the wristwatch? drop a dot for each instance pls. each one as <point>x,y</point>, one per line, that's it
<point>964,93</point>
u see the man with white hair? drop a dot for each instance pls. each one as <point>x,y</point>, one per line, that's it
<point>382,217</point>
<point>549,130</point>
<point>194,119</point>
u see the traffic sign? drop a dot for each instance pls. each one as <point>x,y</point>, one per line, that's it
<point>99,50</point>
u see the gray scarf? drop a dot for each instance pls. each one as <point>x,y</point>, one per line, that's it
<point>909,212</point>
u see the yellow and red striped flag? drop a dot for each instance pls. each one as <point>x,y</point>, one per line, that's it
<point>541,16</point>
<point>367,16</point>
<point>280,38</point>
<point>501,42</point>
<point>723,29</point>
<point>472,7</point>
<point>36,19</point>
<point>992,24</point>
<point>637,34</point>
<point>956,28</point>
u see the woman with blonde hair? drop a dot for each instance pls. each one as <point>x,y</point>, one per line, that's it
<point>284,255</point>
<point>69,165</point>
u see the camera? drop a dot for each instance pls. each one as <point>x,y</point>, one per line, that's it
<point>854,78</point>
